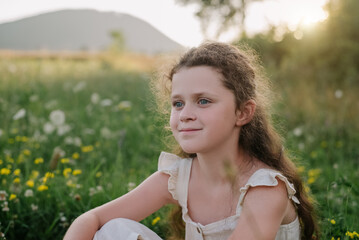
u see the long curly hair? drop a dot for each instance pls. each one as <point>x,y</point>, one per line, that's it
<point>246,79</point>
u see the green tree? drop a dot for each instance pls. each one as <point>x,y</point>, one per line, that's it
<point>226,13</point>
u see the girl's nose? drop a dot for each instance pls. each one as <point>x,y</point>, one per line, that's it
<point>187,114</point>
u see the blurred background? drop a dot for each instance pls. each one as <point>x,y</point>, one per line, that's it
<point>77,119</point>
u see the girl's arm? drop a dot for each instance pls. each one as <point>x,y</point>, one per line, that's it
<point>141,202</point>
<point>263,211</point>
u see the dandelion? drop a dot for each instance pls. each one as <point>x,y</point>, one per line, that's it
<point>16,180</point>
<point>3,195</point>
<point>155,221</point>
<point>17,172</point>
<point>42,188</point>
<point>338,94</point>
<point>5,207</point>
<point>20,114</point>
<point>131,186</point>
<point>30,183</point>
<point>106,102</point>
<point>5,171</point>
<point>63,129</point>
<point>34,174</point>
<point>87,149</point>
<point>49,175</point>
<point>98,174</point>
<point>332,221</point>
<point>297,131</point>
<point>95,98</point>
<point>65,160</point>
<point>26,152</point>
<point>12,196</point>
<point>34,207</point>
<point>57,117</point>
<point>79,87</point>
<point>77,197</point>
<point>48,128</point>
<point>29,193</point>
<point>66,172</point>
<point>75,155</point>
<point>39,160</point>
<point>76,172</point>
<point>106,133</point>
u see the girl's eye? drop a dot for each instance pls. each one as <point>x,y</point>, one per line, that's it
<point>177,104</point>
<point>203,101</point>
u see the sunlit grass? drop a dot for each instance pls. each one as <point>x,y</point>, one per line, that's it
<point>78,131</point>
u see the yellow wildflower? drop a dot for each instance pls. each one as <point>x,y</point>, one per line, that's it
<point>86,149</point>
<point>311,180</point>
<point>26,152</point>
<point>314,172</point>
<point>155,221</point>
<point>39,160</point>
<point>65,160</point>
<point>98,174</point>
<point>16,180</point>
<point>77,172</point>
<point>18,138</point>
<point>49,175</point>
<point>332,221</point>
<point>24,139</point>
<point>5,171</point>
<point>66,172</point>
<point>75,156</point>
<point>1,162</point>
<point>70,184</point>
<point>301,169</point>
<point>42,188</point>
<point>12,196</point>
<point>34,174</point>
<point>30,183</point>
<point>17,172</point>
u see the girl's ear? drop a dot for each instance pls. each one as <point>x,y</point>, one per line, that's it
<point>246,113</point>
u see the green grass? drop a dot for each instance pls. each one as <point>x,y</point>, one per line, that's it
<point>112,136</point>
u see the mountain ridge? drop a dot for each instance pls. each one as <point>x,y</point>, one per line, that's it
<point>83,29</point>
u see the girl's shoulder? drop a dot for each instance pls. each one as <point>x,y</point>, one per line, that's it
<point>266,177</point>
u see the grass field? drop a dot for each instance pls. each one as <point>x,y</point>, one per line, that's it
<point>78,131</point>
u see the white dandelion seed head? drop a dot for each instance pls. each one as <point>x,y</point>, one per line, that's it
<point>79,87</point>
<point>125,105</point>
<point>48,128</point>
<point>63,129</point>
<point>106,133</point>
<point>34,207</point>
<point>298,131</point>
<point>20,114</point>
<point>34,98</point>
<point>29,193</point>
<point>106,102</point>
<point>95,98</point>
<point>131,186</point>
<point>57,117</point>
<point>3,195</point>
<point>338,93</point>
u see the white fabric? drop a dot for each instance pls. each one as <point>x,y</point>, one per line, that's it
<point>179,171</point>
<point>125,229</point>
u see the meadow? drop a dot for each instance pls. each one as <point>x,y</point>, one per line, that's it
<point>79,130</point>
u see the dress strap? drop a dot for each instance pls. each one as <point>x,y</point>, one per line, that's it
<point>267,177</point>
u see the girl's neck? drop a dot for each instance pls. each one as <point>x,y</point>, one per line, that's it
<point>218,168</point>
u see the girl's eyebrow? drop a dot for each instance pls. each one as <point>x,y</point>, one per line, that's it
<point>194,95</point>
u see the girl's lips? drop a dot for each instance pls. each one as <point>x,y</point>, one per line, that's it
<point>189,130</point>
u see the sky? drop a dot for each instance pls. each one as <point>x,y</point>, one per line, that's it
<point>177,21</point>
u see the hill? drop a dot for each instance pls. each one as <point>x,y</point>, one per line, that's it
<point>74,30</point>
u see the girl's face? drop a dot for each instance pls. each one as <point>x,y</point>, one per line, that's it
<point>203,115</point>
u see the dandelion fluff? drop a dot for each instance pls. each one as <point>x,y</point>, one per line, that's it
<point>95,98</point>
<point>57,117</point>
<point>48,128</point>
<point>20,114</point>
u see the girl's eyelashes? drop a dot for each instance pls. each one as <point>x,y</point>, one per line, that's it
<point>177,104</point>
<point>203,101</point>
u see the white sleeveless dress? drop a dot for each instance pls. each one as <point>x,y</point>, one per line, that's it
<point>179,170</point>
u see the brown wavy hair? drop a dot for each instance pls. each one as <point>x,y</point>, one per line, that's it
<point>244,77</point>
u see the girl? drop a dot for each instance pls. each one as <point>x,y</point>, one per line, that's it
<point>230,177</point>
